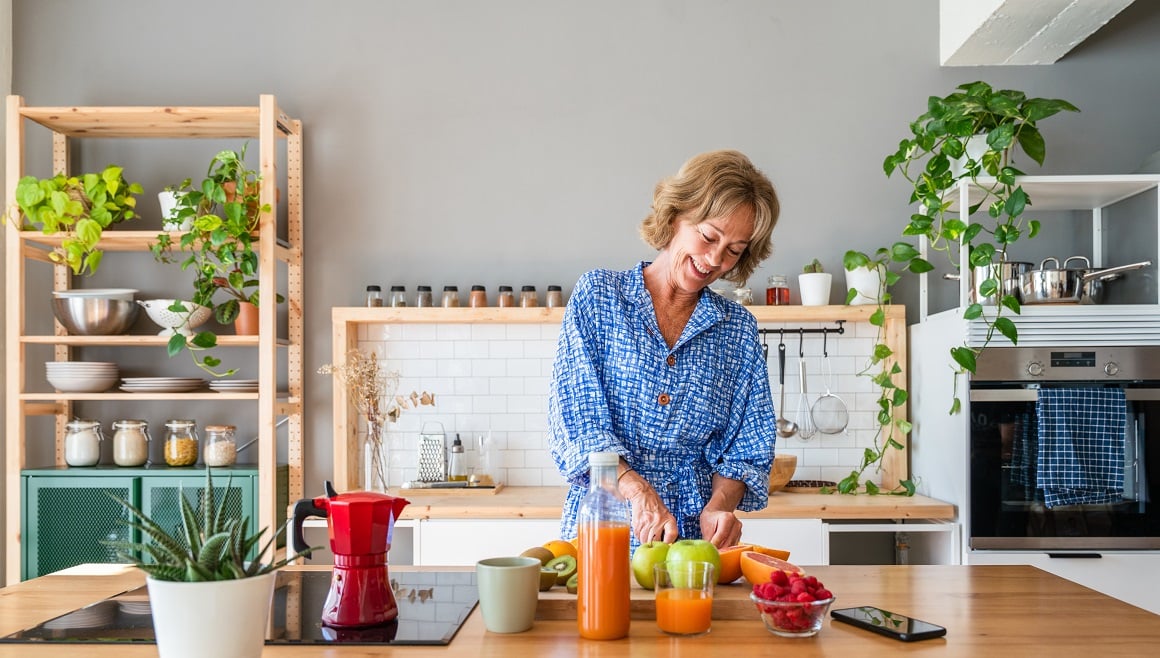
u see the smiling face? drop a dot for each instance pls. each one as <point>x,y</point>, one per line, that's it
<point>702,252</point>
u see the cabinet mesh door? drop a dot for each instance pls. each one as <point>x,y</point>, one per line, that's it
<point>164,506</point>
<point>69,523</point>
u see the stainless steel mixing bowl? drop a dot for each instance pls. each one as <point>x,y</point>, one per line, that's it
<point>94,316</point>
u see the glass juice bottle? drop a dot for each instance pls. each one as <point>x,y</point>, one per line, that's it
<point>603,591</point>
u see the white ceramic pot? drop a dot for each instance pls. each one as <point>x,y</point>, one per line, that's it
<point>223,619</point>
<point>168,202</point>
<point>868,282</point>
<point>976,146</point>
<point>815,288</point>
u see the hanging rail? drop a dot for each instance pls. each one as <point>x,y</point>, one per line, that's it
<point>801,330</point>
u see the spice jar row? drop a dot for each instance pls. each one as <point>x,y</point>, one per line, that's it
<point>476,298</point>
<point>84,438</point>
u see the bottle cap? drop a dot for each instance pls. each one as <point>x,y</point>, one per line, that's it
<point>398,288</point>
<point>450,288</point>
<point>603,459</point>
<point>554,288</point>
<point>477,288</point>
<point>505,288</point>
<point>423,288</point>
<point>456,445</point>
<point>528,289</point>
<point>374,289</point>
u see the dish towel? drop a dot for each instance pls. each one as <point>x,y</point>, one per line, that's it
<point>1081,445</point>
<point>1025,450</point>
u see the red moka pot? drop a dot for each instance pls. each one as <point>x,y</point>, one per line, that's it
<point>360,525</point>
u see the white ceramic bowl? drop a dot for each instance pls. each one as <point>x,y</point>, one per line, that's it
<point>171,322</point>
<point>82,384</point>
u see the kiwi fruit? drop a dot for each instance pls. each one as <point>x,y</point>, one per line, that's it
<point>573,583</point>
<point>540,553</point>
<point>547,579</point>
<point>564,566</point>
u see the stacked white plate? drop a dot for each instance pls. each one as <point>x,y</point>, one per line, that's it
<point>161,384</point>
<point>234,385</point>
<point>81,376</point>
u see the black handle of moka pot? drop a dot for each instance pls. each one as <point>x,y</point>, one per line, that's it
<point>304,509</point>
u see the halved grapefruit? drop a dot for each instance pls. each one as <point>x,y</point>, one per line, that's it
<point>731,563</point>
<point>771,552</point>
<point>757,567</point>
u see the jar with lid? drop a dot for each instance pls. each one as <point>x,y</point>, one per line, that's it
<point>528,296</point>
<point>398,296</point>
<point>478,298</point>
<point>506,299</point>
<point>423,297</point>
<point>82,443</point>
<point>743,296</point>
<point>130,442</point>
<point>221,449</point>
<point>450,296</point>
<point>554,298</point>
<point>777,294</point>
<point>180,442</point>
<point>374,296</point>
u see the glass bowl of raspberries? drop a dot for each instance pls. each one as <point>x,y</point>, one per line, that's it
<point>792,604</point>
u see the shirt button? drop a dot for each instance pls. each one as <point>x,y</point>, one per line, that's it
<point>672,360</point>
<point>663,399</point>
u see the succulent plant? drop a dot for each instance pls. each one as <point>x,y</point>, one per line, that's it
<point>813,267</point>
<point>210,546</point>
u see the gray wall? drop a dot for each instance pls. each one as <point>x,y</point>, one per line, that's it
<point>518,141</point>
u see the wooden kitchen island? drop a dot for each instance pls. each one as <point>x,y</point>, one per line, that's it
<point>987,610</point>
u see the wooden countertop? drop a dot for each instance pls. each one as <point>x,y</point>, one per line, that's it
<point>546,503</point>
<point>987,610</point>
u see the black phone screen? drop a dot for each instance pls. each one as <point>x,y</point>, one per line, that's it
<point>891,624</point>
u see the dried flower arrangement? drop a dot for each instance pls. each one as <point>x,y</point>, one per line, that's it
<point>372,390</point>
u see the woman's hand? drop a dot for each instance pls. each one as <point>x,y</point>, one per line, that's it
<point>651,520</point>
<point>721,527</point>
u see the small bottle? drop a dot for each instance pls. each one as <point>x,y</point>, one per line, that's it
<point>603,589</point>
<point>374,296</point>
<point>180,442</point>
<point>220,447</point>
<point>457,462</point>
<point>450,296</point>
<point>528,296</point>
<point>478,298</point>
<point>423,297</point>
<point>398,296</point>
<point>130,442</point>
<point>82,443</point>
<point>506,299</point>
<point>777,294</point>
<point>555,297</point>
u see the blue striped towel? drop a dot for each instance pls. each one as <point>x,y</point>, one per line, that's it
<point>1025,450</point>
<point>1081,445</point>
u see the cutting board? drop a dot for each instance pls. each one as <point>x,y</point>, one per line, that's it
<point>729,602</point>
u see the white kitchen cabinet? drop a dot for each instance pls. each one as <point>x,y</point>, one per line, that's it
<point>805,539</point>
<point>463,542</point>
<point>1128,576</point>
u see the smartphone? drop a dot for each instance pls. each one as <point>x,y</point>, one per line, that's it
<point>888,623</point>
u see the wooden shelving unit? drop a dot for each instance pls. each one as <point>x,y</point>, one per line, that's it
<point>345,323</point>
<point>265,123</point>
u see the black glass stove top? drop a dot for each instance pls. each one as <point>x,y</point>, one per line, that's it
<point>432,607</point>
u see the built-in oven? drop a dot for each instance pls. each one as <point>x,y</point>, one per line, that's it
<point>1065,449</point>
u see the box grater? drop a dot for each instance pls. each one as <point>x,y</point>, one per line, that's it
<point>432,454</point>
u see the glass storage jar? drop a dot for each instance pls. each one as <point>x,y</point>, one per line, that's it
<point>130,442</point>
<point>555,297</point>
<point>450,296</point>
<point>423,297</point>
<point>528,296</point>
<point>180,442</point>
<point>220,448</point>
<point>82,443</point>
<point>478,298</point>
<point>505,299</point>
<point>777,294</point>
<point>399,296</point>
<point>374,296</point>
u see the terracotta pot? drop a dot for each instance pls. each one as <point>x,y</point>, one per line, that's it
<point>246,324</point>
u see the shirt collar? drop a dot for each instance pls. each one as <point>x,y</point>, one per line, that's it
<point>711,307</point>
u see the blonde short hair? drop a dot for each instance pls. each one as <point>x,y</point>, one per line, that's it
<point>710,185</point>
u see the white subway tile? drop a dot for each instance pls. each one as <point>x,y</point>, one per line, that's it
<point>491,404</point>
<point>505,349</point>
<point>526,441</point>
<point>489,368</point>
<point>486,332</point>
<point>527,404</point>
<point>550,332</point>
<point>542,349</point>
<point>523,367</point>
<point>416,331</point>
<point>453,368</point>
<point>523,332</point>
<point>453,332</point>
<point>536,422</point>
<point>470,349</point>
<point>507,386</point>
<point>537,385</point>
<point>433,349</point>
<point>539,459</point>
<point>510,458</point>
<point>508,422</point>
<point>525,477</point>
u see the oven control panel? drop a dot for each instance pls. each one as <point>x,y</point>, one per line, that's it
<point>1022,364</point>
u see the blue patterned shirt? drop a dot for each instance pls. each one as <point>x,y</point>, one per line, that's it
<point>677,415</point>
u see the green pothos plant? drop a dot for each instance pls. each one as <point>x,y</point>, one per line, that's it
<point>939,137</point>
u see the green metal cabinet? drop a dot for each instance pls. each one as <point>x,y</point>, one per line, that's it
<point>68,511</point>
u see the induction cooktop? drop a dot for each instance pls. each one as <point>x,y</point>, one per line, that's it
<point>432,607</point>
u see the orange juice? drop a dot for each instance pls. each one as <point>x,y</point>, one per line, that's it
<point>603,583</point>
<point>684,611</point>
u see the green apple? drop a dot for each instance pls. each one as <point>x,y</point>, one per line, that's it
<point>692,550</point>
<point>644,558</point>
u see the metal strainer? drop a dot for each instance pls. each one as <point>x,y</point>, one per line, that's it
<point>829,411</point>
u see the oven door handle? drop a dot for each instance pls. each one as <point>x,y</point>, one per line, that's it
<point>1032,394</point>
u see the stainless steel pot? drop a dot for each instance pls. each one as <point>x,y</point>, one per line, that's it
<point>1070,285</point>
<point>1006,272</point>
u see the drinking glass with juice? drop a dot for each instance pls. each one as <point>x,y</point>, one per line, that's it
<point>684,597</point>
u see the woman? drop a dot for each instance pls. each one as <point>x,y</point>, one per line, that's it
<point>656,367</point>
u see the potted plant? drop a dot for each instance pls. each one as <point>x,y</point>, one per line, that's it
<point>814,284</point>
<point>83,206</point>
<point>208,595</point>
<point>168,199</point>
<point>865,282</point>
<point>947,147</point>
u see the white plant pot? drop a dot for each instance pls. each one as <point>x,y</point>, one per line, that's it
<point>976,146</point>
<point>223,619</point>
<point>869,284</point>
<point>168,202</point>
<point>815,288</point>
